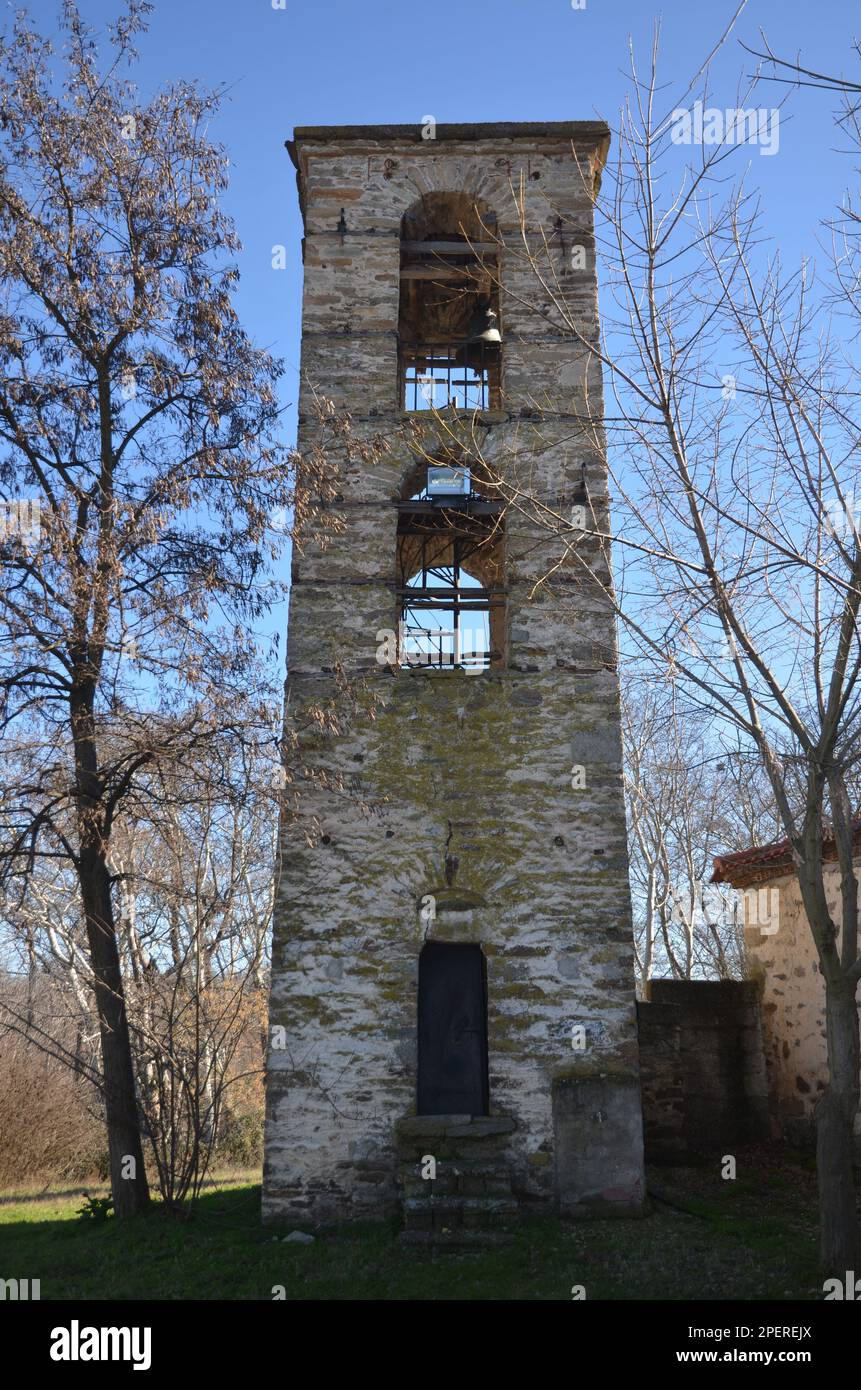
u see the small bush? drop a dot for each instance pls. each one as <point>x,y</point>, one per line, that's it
<point>95,1208</point>
<point>240,1144</point>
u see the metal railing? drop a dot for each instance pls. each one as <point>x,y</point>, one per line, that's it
<point>432,378</point>
<point>445,648</point>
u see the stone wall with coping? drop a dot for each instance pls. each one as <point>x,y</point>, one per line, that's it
<point>703,1068</point>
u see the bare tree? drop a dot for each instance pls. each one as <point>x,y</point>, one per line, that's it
<point>192,873</point>
<point>683,808</point>
<point>732,432</point>
<point>195,885</point>
<point>140,474</point>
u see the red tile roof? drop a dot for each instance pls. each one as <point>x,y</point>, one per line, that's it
<point>767,861</point>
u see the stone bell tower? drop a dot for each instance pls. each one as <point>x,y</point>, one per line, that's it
<point>452,966</point>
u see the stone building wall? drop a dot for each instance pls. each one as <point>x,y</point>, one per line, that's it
<point>702,1067</point>
<point>445,783</point>
<point>784,963</point>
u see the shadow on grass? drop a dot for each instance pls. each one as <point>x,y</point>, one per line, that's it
<point>220,1250</point>
<point>101,1187</point>
<point>703,1239</point>
<point>48,1194</point>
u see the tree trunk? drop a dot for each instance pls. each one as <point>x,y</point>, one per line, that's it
<point>835,1119</point>
<point>130,1193</point>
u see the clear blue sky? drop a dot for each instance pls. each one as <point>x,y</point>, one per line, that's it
<point>339,62</point>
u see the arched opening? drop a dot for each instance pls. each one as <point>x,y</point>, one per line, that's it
<point>448,324</point>
<point>450,570</point>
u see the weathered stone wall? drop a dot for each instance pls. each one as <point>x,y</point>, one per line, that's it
<point>702,1068</point>
<point>473,767</point>
<point>793,998</point>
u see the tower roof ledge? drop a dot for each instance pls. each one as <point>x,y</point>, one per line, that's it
<point>537,132</point>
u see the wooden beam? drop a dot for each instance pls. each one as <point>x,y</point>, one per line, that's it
<point>443,272</point>
<point>449,248</point>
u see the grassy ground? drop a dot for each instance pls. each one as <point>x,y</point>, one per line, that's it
<point>704,1238</point>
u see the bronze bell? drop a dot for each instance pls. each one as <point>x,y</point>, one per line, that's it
<point>482,334</point>
<point>483,326</point>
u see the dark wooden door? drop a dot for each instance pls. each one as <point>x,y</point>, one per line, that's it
<point>452,1061</point>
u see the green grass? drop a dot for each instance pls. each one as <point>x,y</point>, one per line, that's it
<point>704,1239</point>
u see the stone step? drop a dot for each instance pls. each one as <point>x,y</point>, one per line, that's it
<point>469,1126</point>
<point>483,1166</point>
<point>452,1188</point>
<point>452,1136</point>
<point>457,1178</point>
<point>431,1213</point>
<point>471,1194</point>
